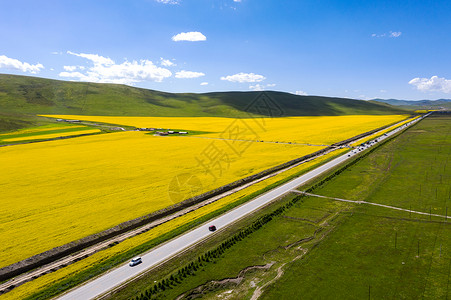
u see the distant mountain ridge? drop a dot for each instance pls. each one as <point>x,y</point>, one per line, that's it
<point>24,97</point>
<point>33,95</point>
<point>397,102</point>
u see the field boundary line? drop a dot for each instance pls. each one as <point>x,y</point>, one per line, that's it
<point>372,203</point>
<point>258,141</point>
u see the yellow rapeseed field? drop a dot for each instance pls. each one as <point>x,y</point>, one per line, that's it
<point>309,130</point>
<point>51,135</point>
<point>42,128</point>
<point>41,283</point>
<point>58,191</point>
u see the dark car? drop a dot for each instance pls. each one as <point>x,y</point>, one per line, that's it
<point>135,261</point>
<point>212,228</point>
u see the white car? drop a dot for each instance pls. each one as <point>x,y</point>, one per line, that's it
<point>135,261</point>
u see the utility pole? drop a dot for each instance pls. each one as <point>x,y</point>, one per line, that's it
<point>446,215</point>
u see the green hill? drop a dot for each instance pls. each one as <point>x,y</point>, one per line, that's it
<point>22,97</point>
<point>418,104</point>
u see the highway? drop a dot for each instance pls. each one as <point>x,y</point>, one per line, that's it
<point>156,256</point>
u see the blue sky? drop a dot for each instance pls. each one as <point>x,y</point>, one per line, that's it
<point>355,49</point>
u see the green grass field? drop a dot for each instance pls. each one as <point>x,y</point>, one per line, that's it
<point>412,171</point>
<point>352,251</point>
<point>379,252</point>
<point>373,255</point>
<point>12,121</point>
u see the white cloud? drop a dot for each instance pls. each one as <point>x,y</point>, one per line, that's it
<point>236,0</point>
<point>166,62</point>
<point>14,64</point>
<point>107,71</point>
<point>301,93</point>
<point>391,34</point>
<point>70,68</point>
<point>244,77</point>
<point>193,36</point>
<point>95,58</point>
<point>57,53</point>
<point>188,74</point>
<point>363,97</point>
<point>168,1</point>
<point>257,87</point>
<point>261,87</point>
<point>204,83</point>
<point>80,76</point>
<point>434,84</point>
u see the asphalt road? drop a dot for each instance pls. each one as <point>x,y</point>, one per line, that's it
<point>120,275</point>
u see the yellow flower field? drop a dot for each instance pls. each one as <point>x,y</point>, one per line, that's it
<point>51,135</point>
<point>310,130</point>
<point>36,285</point>
<point>42,128</point>
<point>58,191</point>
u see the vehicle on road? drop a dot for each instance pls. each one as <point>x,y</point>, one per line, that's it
<point>212,228</point>
<point>135,261</point>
